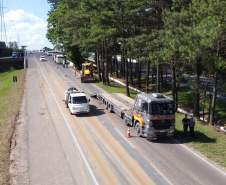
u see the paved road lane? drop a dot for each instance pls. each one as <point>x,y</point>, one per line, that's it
<point>173,160</point>
<point>110,158</point>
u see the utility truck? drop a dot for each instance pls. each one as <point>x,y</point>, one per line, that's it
<point>76,101</point>
<point>59,59</point>
<point>152,115</point>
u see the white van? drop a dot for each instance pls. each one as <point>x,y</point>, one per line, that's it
<point>77,102</point>
<point>59,59</point>
<point>49,53</point>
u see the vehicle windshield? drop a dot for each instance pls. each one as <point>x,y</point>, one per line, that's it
<point>79,100</point>
<point>161,108</point>
<point>84,67</point>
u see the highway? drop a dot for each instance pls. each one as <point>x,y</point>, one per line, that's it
<point>55,147</point>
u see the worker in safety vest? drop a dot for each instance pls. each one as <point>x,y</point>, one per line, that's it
<point>75,71</point>
<point>64,63</point>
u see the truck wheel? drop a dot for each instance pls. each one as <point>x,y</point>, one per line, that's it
<point>109,108</point>
<point>106,104</point>
<point>66,104</point>
<point>70,111</point>
<point>124,119</point>
<point>138,129</point>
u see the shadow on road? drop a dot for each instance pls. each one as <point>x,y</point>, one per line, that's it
<point>94,111</point>
<point>179,138</point>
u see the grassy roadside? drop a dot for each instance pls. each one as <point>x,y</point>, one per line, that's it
<point>10,100</point>
<point>209,141</point>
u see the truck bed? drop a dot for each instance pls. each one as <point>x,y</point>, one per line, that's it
<point>120,103</point>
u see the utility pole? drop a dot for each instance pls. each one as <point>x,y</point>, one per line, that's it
<point>3,29</point>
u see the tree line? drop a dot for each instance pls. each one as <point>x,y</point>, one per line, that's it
<point>184,36</point>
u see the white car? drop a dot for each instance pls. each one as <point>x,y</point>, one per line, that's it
<point>77,102</point>
<point>42,58</point>
<point>49,53</point>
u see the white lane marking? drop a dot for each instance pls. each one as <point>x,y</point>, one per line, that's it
<point>125,138</point>
<point>70,130</point>
<point>202,158</point>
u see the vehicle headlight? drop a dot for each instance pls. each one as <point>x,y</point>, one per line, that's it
<point>150,123</point>
<point>147,125</point>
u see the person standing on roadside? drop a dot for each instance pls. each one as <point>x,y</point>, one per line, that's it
<point>185,121</point>
<point>64,63</point>
<point>191,126</point>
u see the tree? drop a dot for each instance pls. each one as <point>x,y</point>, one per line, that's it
<point>211,30</point>
<point>2,44</point>
<point>46,48</point>
<point>55,30</point>
<point>23,48</point>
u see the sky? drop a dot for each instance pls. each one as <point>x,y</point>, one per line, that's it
<point>26,23</point>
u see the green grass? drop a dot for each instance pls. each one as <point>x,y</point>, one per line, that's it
<point>209,141</point>
<point>186,99</point>
<point>10,100</point>
<point>116,88</point>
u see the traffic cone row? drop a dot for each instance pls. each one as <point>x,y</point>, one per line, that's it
<point>128,132</point>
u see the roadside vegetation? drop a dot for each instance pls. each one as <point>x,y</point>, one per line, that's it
<point>183,37</point>
<point>180,36</point>
<point>210,141</point>
<point>10,101</point>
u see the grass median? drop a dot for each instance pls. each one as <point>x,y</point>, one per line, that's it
<point>209,141</point>
<point>10,101</point>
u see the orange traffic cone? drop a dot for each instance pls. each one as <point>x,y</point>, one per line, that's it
<point>128,132</point>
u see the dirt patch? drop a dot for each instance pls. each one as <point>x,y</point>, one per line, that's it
<point>18,167</point>
<point>5,149</point>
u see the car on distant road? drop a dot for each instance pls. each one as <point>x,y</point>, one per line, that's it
<point>42,58</point>
<point>16,54</point>
<point>49,53</point>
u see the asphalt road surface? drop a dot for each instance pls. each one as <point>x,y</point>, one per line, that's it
<point>54,147</point>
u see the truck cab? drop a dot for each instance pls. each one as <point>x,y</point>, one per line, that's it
<point>154,115</point>
<point>77,102</point>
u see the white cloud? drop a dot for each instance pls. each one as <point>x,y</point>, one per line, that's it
<point>20,16</point>
<point>27,29</point>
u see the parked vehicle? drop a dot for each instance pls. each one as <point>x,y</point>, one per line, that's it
<point>59,59</point>
<point>67,92</point>
<point>49,53</point>
<point>15,54</point>
<point>152,115</point>
<point>76,101</point>
<point>87,72</point>
<point>42,58</point>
